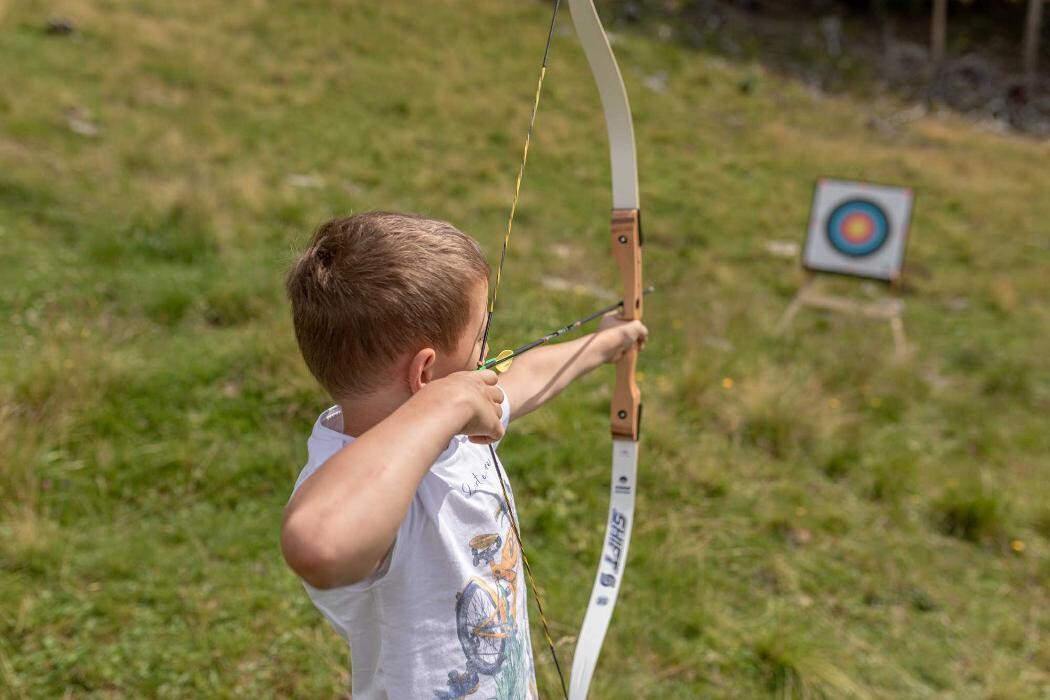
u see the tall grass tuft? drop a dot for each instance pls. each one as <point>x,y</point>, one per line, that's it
<point>795,667</point>
<point>971,511</point>
<point>780,414</point>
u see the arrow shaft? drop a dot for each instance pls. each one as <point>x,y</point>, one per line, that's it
<point>492,362</point>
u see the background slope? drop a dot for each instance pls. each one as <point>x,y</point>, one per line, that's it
<point>814,518</point>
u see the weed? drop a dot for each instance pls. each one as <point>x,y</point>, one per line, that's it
<point>970,511</point>
<point>794,667</point>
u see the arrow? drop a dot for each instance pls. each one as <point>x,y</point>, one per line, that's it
<point>501,362</point>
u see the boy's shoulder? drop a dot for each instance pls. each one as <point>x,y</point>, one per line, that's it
<point>327,437</point>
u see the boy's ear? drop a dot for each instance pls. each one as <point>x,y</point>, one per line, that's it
<point>421,369</point>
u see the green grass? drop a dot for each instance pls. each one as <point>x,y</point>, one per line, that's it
<point>815,518</point>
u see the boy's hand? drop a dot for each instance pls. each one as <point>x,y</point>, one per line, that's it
<point>623,335</point>
<point>475,394</point>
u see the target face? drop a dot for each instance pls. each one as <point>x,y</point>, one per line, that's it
<point>857,228</point>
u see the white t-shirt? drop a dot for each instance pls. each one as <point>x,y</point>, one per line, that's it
<point>446,615</point>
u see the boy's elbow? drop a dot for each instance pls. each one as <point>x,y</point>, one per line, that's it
<point>314,560</point>
<point>306,554</point>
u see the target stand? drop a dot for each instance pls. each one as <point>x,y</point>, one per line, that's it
<point>859,230</point>
<point>889,309</point>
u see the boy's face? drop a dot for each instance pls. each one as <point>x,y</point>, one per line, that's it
<point>468,349</point>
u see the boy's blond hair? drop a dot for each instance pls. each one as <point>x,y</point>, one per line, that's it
<point>375,285</point>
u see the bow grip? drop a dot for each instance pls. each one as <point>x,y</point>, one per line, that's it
<point>626,412</point>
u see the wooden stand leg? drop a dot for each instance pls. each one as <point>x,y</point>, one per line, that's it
<point>900,343</point>
<point>796,303</point>
<point>884,310</point>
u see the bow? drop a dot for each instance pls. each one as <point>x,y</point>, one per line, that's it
<point>626,406</point>
<point>626,410</point>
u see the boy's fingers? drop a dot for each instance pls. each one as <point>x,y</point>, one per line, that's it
<point>643,335</point>
<point>488,376</point>
<point>495,436</point>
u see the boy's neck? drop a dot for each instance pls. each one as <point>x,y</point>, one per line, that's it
<point>362,413</point>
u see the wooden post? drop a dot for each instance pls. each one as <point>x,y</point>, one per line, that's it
<point>938,30</point>
<point>1032,25</point>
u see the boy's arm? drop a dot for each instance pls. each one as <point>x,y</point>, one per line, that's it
<point>342,522</point>
<point>537,377</point>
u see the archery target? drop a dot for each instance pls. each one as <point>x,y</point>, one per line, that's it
<point>858,229</point>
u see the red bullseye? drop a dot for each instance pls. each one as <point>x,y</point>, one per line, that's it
<point>858,228</point>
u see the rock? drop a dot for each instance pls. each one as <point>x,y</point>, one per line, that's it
<point>60,26</point>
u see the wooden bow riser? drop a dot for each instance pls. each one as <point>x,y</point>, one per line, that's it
<point>625,414</point>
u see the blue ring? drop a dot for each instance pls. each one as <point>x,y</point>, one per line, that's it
<point>857,206</point>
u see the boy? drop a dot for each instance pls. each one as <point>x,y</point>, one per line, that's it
<point>398,524</point>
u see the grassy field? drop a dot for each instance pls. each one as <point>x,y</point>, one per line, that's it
<point>815,518</point>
